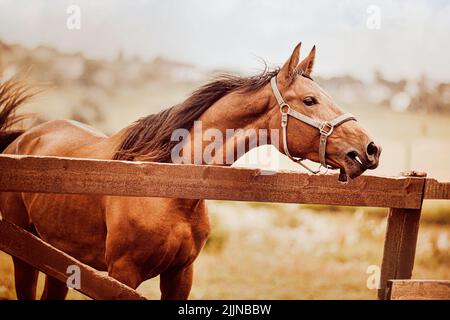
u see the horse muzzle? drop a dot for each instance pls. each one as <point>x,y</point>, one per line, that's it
<point>356,162</point>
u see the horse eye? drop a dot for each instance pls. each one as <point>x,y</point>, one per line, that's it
<point>310,101</point>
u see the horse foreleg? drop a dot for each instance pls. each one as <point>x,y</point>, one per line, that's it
<point>54,289</point>
<point>25,278</point>
<point>176,284</point>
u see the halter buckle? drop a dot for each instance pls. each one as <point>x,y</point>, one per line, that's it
<point>326,128</point>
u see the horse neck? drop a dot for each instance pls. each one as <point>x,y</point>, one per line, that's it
<point>245,111</point>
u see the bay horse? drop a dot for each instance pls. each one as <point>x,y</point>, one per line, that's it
<point>135,239</point>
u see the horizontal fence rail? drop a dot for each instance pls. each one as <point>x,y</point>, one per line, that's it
<point>419,289</point>
<point>437,190</point>
<point>147,179</point>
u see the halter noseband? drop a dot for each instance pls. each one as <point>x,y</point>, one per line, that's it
<point>325,127</point>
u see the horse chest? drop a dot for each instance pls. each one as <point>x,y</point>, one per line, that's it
<point>164,235</point>
<point>159,250</point>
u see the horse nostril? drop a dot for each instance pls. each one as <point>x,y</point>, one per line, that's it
<point>372,149</point>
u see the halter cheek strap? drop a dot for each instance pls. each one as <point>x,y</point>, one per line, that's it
<point>325,127</point>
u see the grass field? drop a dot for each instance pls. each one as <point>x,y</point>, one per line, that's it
<point>267,251</point>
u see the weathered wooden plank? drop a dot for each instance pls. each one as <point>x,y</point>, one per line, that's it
<point>399,246</point>
<point>419,289</point>
<point>82,176</point>
<point>29,248</point>
<point>436,190</point>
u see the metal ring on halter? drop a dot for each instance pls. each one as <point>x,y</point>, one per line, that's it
<point>317,171</point>
<point>284,105</point>
<point>320,167</point>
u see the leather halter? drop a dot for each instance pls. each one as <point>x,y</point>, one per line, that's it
<point>325,127</point>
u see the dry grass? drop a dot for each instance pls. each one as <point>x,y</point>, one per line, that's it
<point>286,252</point>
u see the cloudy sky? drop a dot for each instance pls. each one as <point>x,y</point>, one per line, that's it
<point>400,38</point>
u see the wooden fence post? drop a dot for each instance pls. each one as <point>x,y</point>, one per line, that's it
<point>400,243</point>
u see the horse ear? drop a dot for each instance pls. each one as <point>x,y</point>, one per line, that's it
<point>288,71</point>
<point>307,64</point>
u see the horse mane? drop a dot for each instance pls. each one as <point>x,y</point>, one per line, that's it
<point>13,93</point>
<point>149,137</point>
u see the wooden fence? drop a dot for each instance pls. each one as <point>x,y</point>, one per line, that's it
<point>403,195</point>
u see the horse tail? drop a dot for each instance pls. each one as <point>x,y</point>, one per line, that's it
<point>13,93</point>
